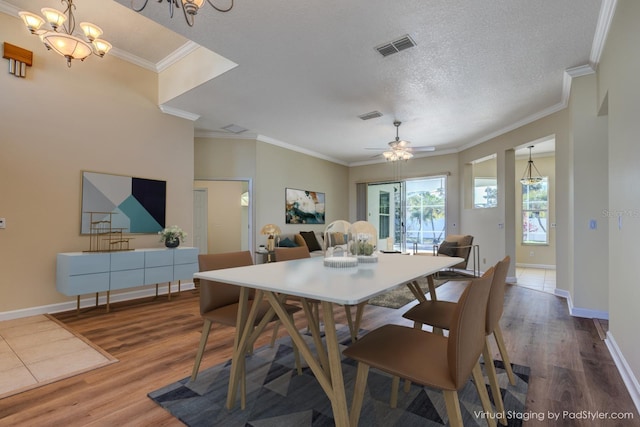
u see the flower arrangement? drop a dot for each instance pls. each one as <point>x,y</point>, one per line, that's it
<point>173,234</point>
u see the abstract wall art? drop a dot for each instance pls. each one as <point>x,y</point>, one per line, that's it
<point>135,205</point>
<point>304,207</point>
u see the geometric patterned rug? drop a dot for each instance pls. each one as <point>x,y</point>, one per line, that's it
<point>277,396</point>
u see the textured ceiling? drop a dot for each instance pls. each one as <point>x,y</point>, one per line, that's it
<point>307,70</point>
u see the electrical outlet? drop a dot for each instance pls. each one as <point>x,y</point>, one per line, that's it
<point>531,253</point>
<point>3,223</point>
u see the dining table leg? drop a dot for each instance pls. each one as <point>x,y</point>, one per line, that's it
<point>331,379</point>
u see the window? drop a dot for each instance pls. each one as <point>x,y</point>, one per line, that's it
<point>535,213</point>
<point>383,218</point>
<point>485,192</point>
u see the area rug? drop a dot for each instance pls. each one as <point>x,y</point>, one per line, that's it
<point>401,296</point>
<point>277,396</point>
<point>39,350</point>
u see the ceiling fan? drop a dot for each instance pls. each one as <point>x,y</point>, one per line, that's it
<point>400,149</point>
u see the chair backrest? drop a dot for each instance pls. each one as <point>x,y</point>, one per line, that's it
<point>464,242</point>
<point>466,333</point>
<point>216,294</point>
<point>287,254</point>
<point>496,296</point>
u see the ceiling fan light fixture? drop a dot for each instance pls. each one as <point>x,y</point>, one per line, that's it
<point>190,8</point>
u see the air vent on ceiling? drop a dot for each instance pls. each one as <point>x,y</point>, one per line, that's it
<point>371,115</point>
<point>404,42</point>
<point>234,128</point>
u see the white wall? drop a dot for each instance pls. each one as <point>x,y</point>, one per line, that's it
<point>619,91</point>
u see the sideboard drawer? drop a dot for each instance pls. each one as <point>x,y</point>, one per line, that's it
<point>158,275</point>
<point>126,279</point>
<point>127,260</point>
<point>158,258</point>
<point>85,284</point>
<point>184,271</point>
<point>185,255</point>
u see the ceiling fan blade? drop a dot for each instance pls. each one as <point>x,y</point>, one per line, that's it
<point>424,148</point>
<point>376,149</point>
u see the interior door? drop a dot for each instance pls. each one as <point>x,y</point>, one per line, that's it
<point>200,215</point>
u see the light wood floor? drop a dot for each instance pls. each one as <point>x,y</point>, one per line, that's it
<point>156,340</point>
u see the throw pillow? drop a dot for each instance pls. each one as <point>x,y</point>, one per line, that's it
<point>287,243</point>
<point>311,241</point>
<point>448,248</point>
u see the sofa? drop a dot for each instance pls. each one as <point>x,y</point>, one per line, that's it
<point>298,239</point>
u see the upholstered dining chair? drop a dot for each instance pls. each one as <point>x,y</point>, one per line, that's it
<point>429,359</point>
<point>219,302</point>
<point>439,314</point>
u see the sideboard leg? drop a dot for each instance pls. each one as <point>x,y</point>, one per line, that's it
<point>78,304</point>
<point>108,295</point>
<point>169,291</point>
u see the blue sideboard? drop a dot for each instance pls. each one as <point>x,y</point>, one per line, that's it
<point>90,272</point>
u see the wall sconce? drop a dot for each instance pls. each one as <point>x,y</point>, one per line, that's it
<point>19,59</point>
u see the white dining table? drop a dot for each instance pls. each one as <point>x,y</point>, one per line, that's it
<point>310,279</point>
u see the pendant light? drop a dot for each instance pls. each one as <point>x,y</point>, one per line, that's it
<point>528,178</point>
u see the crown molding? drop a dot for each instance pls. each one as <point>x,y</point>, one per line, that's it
<point>200,133</point>
<point>281,144</point>
<point>9,9</point>
<point>179,113</point>
<point>133,59</point>
<point>607,10</point>
<point>176,56</point>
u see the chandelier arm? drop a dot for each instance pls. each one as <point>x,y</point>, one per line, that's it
<point>219,9</point>
<point>69,26</point>
<point>142,7</point>
<point>187,17</point>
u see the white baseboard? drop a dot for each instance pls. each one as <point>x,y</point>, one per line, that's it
<point>91,301</point>
<point>625,370</point>
<point>580,312</point>
<point>543,266</point>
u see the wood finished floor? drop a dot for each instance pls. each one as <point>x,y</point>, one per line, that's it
<point>155,341</point>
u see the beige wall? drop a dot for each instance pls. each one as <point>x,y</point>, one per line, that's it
<point>273,169</point>
<point>279,168</point>
<point>99,116</point>
<point>618,83</point>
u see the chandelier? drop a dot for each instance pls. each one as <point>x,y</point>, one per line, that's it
<point>528,178</point>
<point>189,8</point>
<point>398,149</point>
<point>61,39</point>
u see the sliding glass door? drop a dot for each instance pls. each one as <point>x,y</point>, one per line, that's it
<point>409,215</point>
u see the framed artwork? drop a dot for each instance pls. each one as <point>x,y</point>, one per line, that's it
<point>304,207</point>
<point>134,205</point>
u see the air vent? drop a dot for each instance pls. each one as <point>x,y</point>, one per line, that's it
<point>404,42</point>
<point>371,115</point>
<point>234,129</point>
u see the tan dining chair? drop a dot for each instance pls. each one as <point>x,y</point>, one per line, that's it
<point>439,315</point>
<point>219,302</point>
<point>429,359</point>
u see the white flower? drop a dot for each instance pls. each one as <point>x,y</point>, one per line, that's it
<point>172,233</point>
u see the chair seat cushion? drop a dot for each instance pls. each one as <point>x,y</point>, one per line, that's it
<point>438,314</point>
<point>409,353</point>
<point>227,315</point>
